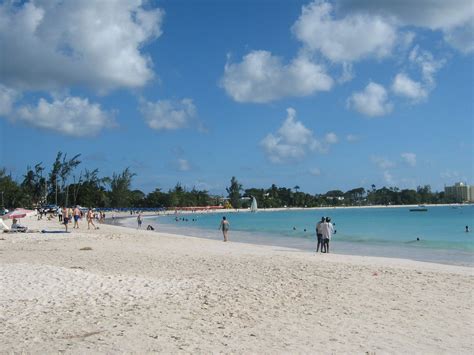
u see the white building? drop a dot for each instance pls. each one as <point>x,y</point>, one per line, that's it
<point>460,191</point>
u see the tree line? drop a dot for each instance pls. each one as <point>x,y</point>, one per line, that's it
<point>64,184</point>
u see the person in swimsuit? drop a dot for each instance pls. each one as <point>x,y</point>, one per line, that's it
<point>139,220</point>
<point>224,226</point>
<point>90,219</point>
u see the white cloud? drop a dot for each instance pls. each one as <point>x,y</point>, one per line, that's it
<point>72,116</point>
<point>347,73</point>
<point>428,65</point>
<point>450,174</point>
<point>315,171</point>
<point>382,163</point>
<point>352,138</point>
<point>168,115</point>
<point>372,102</point>
<point>351,38</point>
<point>53,44</point>
<point>331,138</point>
<point>262,77</point>
<point>183,165</point>
<point>404,86</point>
<point>454,18</point>
<point>8,97</point>
<point>462,37</point>
<point>409,158</point>
<point>291,142</point>
<point>388,178</point>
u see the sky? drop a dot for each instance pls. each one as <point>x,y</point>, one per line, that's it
<point>319,94</point>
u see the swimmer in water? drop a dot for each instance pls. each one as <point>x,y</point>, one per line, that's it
<point>467,229</point>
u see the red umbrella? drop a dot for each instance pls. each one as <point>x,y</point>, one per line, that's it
<point>18,213</point>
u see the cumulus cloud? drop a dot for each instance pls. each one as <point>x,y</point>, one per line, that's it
<point>409,158</point>
<point>461,37</point>
<point>404,86</point>
<point>168,115</point>
<point>72,116</point>
<point>262,77</point>
<point>350,38</point>
<point>291,142</point>
<point>428,65</point>
<point>455,19</point>
<point>372,101</point>
<point>53,44</point>
<point>8,97</point>
<point>382,163</point>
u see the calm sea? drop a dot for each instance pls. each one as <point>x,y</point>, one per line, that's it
<point>388,232</point>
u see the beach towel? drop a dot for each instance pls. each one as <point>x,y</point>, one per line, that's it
<point>45,231</point>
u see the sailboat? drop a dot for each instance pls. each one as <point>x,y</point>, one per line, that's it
<point>253,206</point>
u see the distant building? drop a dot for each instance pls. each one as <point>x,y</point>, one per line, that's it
<point>460,191</point>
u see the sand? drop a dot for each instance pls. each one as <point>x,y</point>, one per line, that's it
<point>140,291</point>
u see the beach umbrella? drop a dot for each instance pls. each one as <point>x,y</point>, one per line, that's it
<point>14,214</point>
<point>17,213</point>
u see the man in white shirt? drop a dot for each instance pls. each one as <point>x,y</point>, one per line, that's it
<point>327,230</point>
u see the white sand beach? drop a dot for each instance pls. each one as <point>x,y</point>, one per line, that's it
<point>142,291</point>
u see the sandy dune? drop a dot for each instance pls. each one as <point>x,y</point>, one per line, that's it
<point>139,291</point>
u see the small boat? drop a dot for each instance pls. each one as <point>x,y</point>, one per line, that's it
<point>419,209</point>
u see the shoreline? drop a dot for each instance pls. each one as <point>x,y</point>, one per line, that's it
<point>387,260</point>
<point>119,289</point>
<point>122,214</point>
<point>400,251</point>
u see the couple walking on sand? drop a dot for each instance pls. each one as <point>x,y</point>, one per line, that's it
<point>324,232</point>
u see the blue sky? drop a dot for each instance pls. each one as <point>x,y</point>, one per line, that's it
<point>324,94</point>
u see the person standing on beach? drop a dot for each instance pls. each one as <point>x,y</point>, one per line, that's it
<point>139,220</point>
<point>319,235</point>
<point>90,219</point>
<point>327,230</point>
<point>60,214</point>
<point>65,217</point>
<point>77,216</point>
<point>224,226</point>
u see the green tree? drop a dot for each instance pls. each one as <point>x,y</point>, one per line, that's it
<point>67,167</point>
<point>10,193</point>
<point>33,185</point>
<point>234,192</point>
<point>120,188</point>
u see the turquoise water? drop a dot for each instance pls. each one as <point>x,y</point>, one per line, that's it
<point>364,231</point>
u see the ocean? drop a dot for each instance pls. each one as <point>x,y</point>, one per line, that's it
<point>384,231</point>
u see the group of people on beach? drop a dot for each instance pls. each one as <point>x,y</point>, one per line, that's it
<point>324,232</point>
<point>66,215</point>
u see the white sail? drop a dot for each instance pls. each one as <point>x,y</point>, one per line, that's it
<point>253,206</point>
